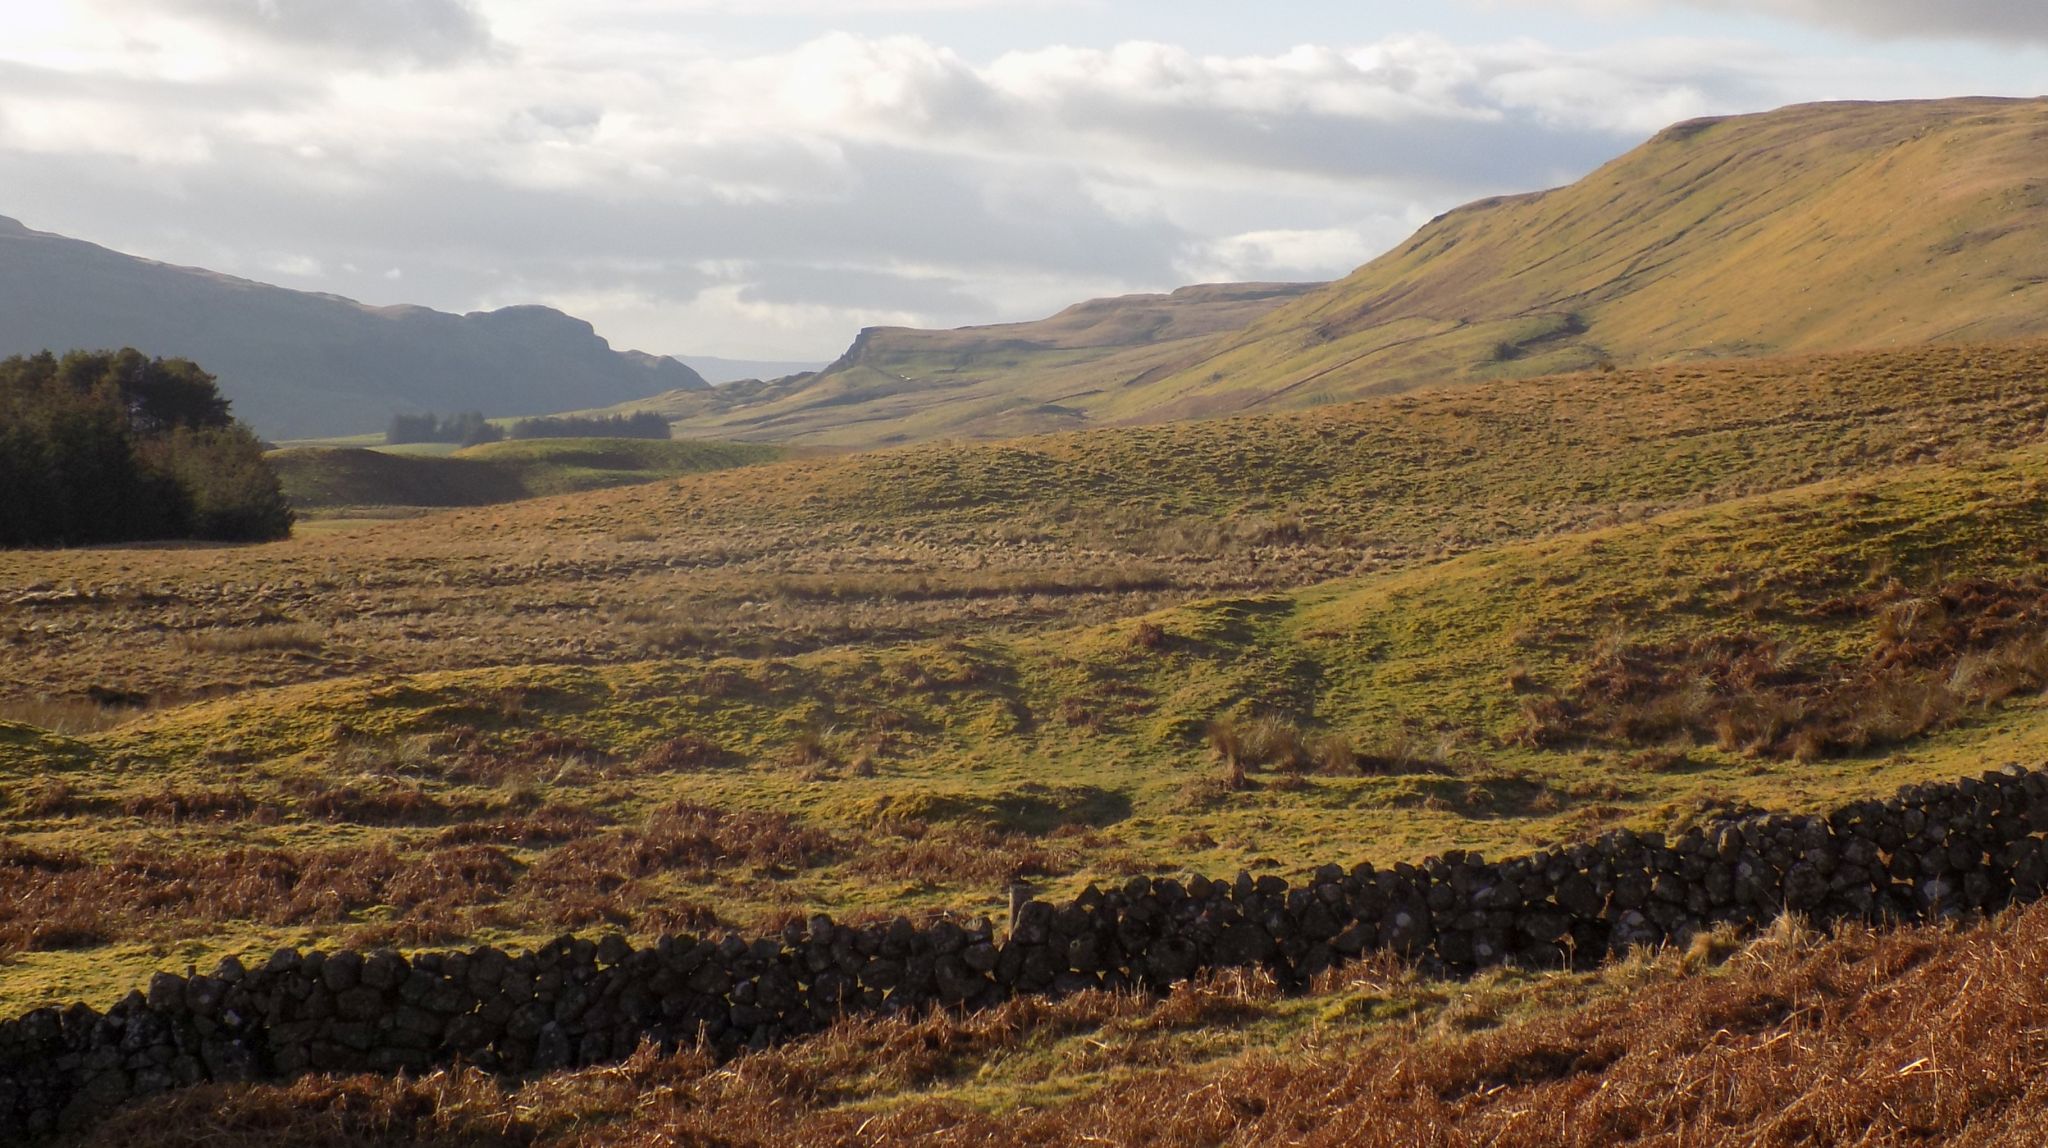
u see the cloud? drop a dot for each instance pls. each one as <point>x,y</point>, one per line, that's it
<point>1996,21</point>
<point>1910,19</point>
<point>766,204</point>
<point>375,33</point>
<point>1323,253</point>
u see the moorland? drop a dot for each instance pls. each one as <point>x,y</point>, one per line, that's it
<point>1496,615</point>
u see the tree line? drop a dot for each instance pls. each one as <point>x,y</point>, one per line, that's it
<point>115,446</point>
<point>470,428</point>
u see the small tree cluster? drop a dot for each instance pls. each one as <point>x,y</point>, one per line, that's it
<point>646,424</point>
<point>469,428</point>
<point>114,446</point>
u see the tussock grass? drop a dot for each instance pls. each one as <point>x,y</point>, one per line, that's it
<point>65,715</point>
<point>302,638</point>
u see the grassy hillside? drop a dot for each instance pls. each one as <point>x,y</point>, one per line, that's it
<point>1824,227</point>
<point>335,478</point>
<point>955,540</point>
<point>896,384</point>
<point>892,681</point>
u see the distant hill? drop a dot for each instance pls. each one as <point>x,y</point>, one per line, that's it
<point>1823,227</point>
<point>300,364</point>
<point>896,384</point>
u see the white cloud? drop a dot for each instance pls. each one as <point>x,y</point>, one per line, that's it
<point>1300,255</point>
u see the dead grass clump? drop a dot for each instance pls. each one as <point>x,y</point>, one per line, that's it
<point>549,824</point>
<point>1403,749</point>
<point>1212,790</point>
<point>971,855</point>
<point>174,806</point>
<point>809,751</point>
<point>1076,713</point>
<point>278,638</point>
<point>70,716</point>
<point>64,901</point>
<point>49,796</point>
<point>694,842</point>
<point>685,753</point>
<point>1933,658</point>
<point>1266,742</point>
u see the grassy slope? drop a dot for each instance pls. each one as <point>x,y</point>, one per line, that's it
<point>327,478</point>
<point>933,769</point>
<point>963,539</point>
<point>898,384</point>
<point>1824,226</point>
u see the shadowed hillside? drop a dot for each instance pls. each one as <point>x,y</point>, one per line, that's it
<point>334,478</point>
<point>299,364</point>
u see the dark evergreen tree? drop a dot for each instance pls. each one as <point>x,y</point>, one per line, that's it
<point>112,446</point>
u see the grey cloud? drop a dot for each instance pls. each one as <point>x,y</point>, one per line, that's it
<point>883,290</point>
<point>370,31</point>
<point>460,239</point>
<point>1907,19</point>
<point>894,178</point>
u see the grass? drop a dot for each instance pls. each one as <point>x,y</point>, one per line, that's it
<point>1705,242</point>
<point>931,541</point>
<point>1382,717</point>
<point>895,682</point>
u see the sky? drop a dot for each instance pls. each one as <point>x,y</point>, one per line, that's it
<point>762,178</point>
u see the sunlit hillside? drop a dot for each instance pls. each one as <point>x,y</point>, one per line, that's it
<point>1814,228</point>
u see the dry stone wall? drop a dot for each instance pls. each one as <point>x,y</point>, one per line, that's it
<point>1930,852</point>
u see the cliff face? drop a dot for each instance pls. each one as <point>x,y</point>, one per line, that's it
<point>297,363</point>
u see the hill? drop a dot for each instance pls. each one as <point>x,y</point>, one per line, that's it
<point>301,364</point>
<point>897,384</point>
<point>1813,228</point>
<point>329,479</point>
<point>1818,227</point>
